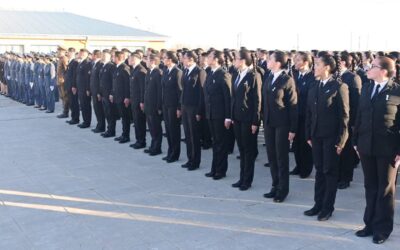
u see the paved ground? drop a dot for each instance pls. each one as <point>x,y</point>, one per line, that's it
<point>62,187</point>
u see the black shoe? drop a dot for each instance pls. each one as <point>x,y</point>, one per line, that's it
<point>210,174</point>
<point>266,164</point>
<point>206,146</point>
<point>72,122</point>
<point>218,176</point>
<point>62,116</point>
<point>42,109</point>
<point>365,232</point>
<point>303,176</point>
<point>312,212</point>
<point>343,185</point>
<point>49,111</point>
<point>192,167</point>
<point>138,145</point>
<point>124,140</point>
<point>295,171</point>
<point>165,158</point>
<point>186,165</point>
<point>237,184</point>
<point>108,134</point>
<point>238,157</point>
<point>244,187</point>
<point>324,215</point>
<point>83,125</point>
<point>170,160</point>
<point>279,199</point>
<point>155,152</point>
<point>118,138</point>
<point>147,151</point>
<point>271,194</point>
<point>379,239</point>
<point>96,130</point>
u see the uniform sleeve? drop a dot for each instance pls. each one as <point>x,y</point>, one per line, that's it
<point>201,81</point>
<point>257,100</point>
<point>354,92</point>
<point>226,88</point>
<point>179,87</point>
<point>292,103</point>
<point>344,115</point>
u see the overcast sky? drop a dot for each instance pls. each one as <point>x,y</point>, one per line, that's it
<point>281,24</point>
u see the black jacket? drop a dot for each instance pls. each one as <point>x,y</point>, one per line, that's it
<point>246,98</point>
<point>106,79</point>
<point>83,76</point>
<point>152,92</point>
<point>328,111</point>
<point>95,79</point>
<point>137,84</point>
<point>354,84</point>
<point>171,87</point>
<point>192,92</point>
<point>121,83</point>
<point>217,95</point>
<point>280,102</point>
<point>70,75</point>
<point>377,126</point>
<point>303,85</point>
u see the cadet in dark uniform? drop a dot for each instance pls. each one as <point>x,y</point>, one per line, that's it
<point>120,95</point>
<point>326,132</point>
<point>246,107</point>
<point>192,108</point>
<point>106,80</point>
<point>349,158</point>
<point>83,86</point>
<point>304,78</point>
<point>95,92</point>
<point>70,86</point>
<point>137,86</point>
<point>153,104</point>
<point>171,83</point>
<point>377,140</point>
<point>217,99</point>
<point>280,123</point>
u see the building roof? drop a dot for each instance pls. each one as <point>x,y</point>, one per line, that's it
<point>36,23</point>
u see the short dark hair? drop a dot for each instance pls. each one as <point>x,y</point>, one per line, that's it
<point>281,57</point>
<point>72,50</point>
<point>328,60</point>
<point>219,55</point>
<point>192,55</point>
<point>119,54</point>
<point>388,64</point>
<point>172,56</point>
<point>137,55</point>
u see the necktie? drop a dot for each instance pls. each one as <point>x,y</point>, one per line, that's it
<point>300,78</point>
<point>376,92</point>
<point>237,80</point>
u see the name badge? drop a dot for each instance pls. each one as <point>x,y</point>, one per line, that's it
<point>387,97</point>
<point>213,81</point>
<point>327,91</point>
<point>169,78</point>
<point>273,89</point>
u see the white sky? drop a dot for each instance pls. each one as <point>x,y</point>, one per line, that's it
<point>281,24</point>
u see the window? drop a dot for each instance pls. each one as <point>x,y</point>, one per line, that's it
<point>13,48</point>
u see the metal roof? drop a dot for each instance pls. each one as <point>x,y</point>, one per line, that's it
<point>36,23</point>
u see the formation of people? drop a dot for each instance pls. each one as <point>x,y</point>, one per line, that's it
<point>332,109</point>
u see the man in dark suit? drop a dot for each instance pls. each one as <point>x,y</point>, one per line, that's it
<point>192,108</point>
<point>217,99</point>
<point>204,129</point>
<point>280,120</point>
<point>377,140</point>
<point>137,85</point>
<point>83,71</point>
<point>171,83</point>
<point>70,86</point>
<point>153,104</point>
<point>95,91</point>
<point>106,80</point>
<point>120,95</point>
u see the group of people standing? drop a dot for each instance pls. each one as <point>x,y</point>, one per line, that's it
<point>332,109</point>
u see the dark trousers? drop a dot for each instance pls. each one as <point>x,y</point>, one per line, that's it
<point>173,132</point>
<point>348,160</point>
<point>231,140</point>
<point>154,123</point>
<point>326,162</point>
<point>380,186</point>
<point>302,151</point>
<point>276,140</point>
<point>99,112</point>
<point>205,134</point>
<point>220,140</point>
<point>139,119</point>
<point>110,112</point>
<point>191,128</point>
<point>74,106</point>
<point>125,114</point>
<point>245,141</point>
<point>86,108</point>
